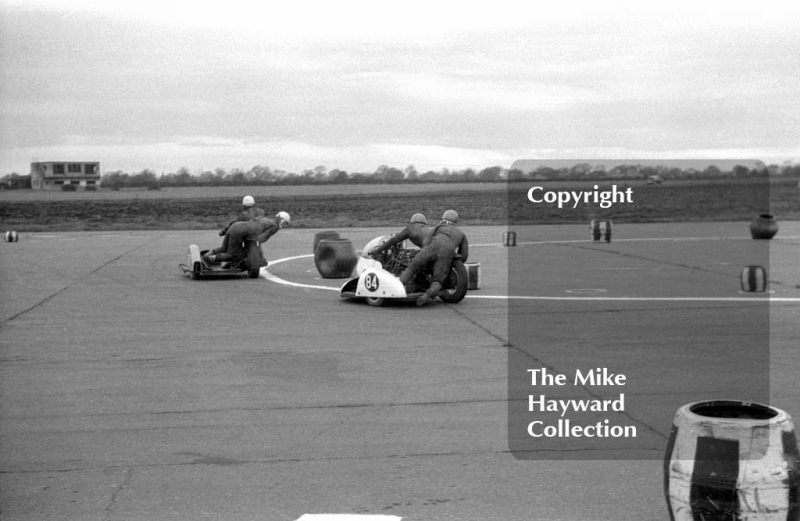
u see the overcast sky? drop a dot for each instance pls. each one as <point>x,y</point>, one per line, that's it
<point>355,85</point>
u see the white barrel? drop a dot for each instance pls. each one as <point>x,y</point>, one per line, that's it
<point>729,459</point>
<point>473,275</point>
<point>600,230</point>
<point>754,279</point>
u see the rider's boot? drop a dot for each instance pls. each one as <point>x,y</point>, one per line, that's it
<point>219,257</point>
<point>432,293</point>
<point>406,277</point>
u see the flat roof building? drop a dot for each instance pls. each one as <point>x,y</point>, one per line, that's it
<point>53,175</point>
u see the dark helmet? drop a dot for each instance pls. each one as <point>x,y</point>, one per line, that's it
<point>450,215</point>
<point>418,218</point>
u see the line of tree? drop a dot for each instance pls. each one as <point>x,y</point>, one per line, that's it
<point>384,174</point>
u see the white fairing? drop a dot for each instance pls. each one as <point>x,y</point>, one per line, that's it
<point>377,241</point>
<point>365,263</point>
<point>379,283</point>
<point>194,254</point>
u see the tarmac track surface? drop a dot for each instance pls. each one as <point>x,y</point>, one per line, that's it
<point>131,392</point>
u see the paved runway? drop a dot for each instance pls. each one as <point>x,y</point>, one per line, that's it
<point>131,392</point>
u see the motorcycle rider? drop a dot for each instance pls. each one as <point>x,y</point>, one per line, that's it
<point>249,211</point>
<point>440,246</point>
<point>261,228</point>
<point>416,231</point>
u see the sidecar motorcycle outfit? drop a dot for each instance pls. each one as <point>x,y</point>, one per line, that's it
<point>444,241</point>
<point>260,228</point>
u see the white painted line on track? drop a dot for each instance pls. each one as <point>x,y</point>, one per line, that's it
<point>646,299</point>
<point>624,269</point>
<point>274,278</point>
<point>348,517</point>
<point>287,259</point>
<point>649,239</point>
<point>269,276</point>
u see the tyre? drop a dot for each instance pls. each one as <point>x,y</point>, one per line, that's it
<point>254,258</point>
<point>376,301</point>
<point>457,283</point>
<point>196,271</point>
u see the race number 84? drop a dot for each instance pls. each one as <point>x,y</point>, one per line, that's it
<point>371,282</point>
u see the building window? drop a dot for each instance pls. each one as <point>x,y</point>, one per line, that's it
<point>60,182</point>
<point>89,169</point>
<point>74,168</point>
<point>58,168</point>
<point>88,183</point>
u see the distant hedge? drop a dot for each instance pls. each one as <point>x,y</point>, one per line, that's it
<point>669,202</point>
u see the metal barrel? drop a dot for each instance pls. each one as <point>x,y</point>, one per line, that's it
<point>728,459</point>
<point>324,235</point>
<point>335,258</point>
<point>754,279</point>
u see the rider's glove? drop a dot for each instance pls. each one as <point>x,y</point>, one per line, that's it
<point>222,233</point>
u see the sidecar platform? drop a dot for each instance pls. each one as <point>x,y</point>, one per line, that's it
<point>197,268</point>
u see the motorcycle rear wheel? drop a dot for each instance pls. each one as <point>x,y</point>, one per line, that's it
<point>457,283</point>
<point>254,258</point>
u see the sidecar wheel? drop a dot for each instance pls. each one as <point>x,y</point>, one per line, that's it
<point>376,301</point>
<point>196,271</point>
<point>457,283</point>
<point>253,274</point>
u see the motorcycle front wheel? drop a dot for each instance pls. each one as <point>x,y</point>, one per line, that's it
<point>456,284</point>
<point>375,301</point>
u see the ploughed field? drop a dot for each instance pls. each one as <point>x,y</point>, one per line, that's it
<point>342,206</point>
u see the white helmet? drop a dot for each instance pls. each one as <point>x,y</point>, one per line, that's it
<point>283,219</point>
<point>248,201</point>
